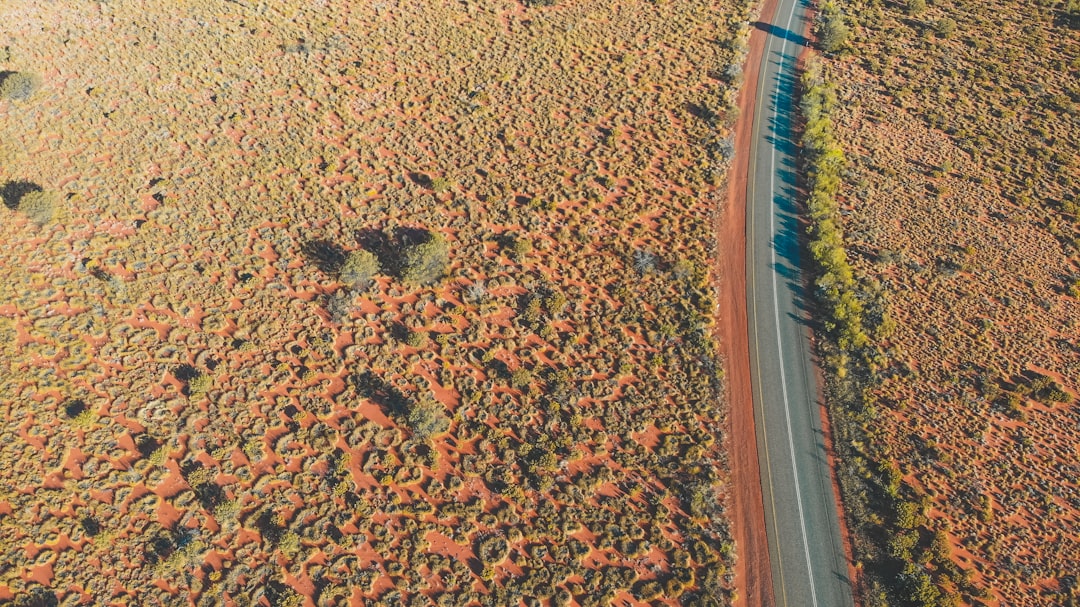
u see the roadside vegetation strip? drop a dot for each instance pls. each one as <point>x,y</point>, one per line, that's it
<point>836,283</point>
<point>955,197</point>
<point>902,560</point>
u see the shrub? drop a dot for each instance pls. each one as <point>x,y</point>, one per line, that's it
<point>199,383</point>
<point>79,415</point>
<point>645,262</point>
<point>915,7</point>
<point>439,185</point>
<point>908,515</point>
<point>416,339</point>
<point>648,591</point>
<point>492,550</point>
<point>38,206</point>
<point>359,268</point>
<point>426,262</point>
<point>836,282</point>
<point>522,248</point>
<point>834,28</point>
<point>945,27</point>
<point>17,85</point>
<point>521,378</point>
<point>426,420</point>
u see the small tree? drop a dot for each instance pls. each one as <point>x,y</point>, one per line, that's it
<point>915,7</point>
<point>359,268</point>
<point>38,206</point>
<point>834,28</point>
<point>426,262</point>
<point>945,27</point>
<point>17,85</point>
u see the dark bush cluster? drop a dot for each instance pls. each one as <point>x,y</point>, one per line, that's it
<point>30,200</point>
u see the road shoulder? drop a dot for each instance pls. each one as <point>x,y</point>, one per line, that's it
<point>753,575</point>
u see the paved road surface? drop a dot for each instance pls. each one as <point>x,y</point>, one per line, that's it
<point>808,563</point>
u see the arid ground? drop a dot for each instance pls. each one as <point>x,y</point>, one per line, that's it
<point>329,302</point>
<point>961,125</point>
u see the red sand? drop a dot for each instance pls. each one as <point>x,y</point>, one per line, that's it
<point>753,575</point>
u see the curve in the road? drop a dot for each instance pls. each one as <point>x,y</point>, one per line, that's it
<point>808,561</point>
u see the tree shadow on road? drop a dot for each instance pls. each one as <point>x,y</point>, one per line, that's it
<point>781,33</point>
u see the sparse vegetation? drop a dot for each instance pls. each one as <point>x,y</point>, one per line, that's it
<point>941,419</point>
<point>358,306</point>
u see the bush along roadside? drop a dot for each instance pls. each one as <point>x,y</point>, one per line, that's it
<point>900,559</point>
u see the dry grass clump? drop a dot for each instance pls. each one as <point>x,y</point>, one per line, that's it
<point>958,209</point>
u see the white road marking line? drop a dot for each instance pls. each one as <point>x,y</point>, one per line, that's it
<point>776,313</point>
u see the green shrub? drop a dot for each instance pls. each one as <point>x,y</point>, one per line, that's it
<point>427,419</point>
<point>945,27</point>
<point>439,185</point>
<point>836,282</point>
<point>199,384</point>
<point>522,248</point>
<point>915,7</point>
<point>833,28</point>
<point>17,85</point>
<point>415,339</point>
<point>79,415</point>
<point>426,263</point>
<point>359,268</point>
<point>38,206</point>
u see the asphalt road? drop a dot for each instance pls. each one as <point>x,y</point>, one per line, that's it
<point>808,564</point>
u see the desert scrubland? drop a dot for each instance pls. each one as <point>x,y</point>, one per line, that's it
<point>960,425</point>
<point>323,303</point>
